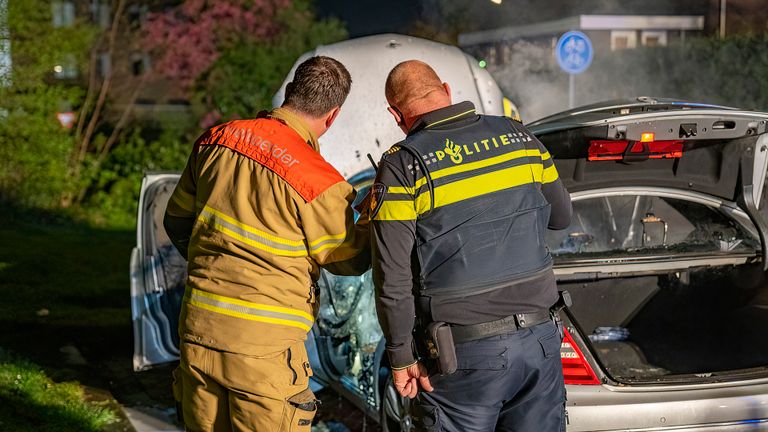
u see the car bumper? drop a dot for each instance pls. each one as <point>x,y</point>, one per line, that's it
<point>710,408</point>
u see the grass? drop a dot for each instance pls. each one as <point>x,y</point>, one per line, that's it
<point>63,284</point>
<point>30,400</point>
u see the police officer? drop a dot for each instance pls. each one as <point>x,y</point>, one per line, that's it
<point>257,212</point>
<point>459,212</point>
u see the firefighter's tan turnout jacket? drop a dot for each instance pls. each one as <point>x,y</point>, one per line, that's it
<point>258,212</point>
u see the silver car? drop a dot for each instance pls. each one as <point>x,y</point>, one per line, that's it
<point>665,258</point>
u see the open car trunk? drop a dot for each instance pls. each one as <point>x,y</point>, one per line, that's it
<point>666,255</point>
<point>703,324</point>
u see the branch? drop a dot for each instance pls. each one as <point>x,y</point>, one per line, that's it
<point>105,85</point>
<point>92,83</point>
<point>118,128</point>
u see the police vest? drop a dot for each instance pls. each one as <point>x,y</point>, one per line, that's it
<point>481,217</point>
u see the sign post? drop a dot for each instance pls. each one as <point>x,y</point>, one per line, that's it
<point>574,55</point>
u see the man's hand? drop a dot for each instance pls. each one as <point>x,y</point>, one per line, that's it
<point>364,209</point>
<point>408,380</point>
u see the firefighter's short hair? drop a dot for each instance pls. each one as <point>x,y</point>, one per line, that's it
<point>319,85</point>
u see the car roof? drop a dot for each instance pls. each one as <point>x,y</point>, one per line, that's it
<point>364,125</point>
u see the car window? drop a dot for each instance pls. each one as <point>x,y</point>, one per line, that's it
<point>636,224</point>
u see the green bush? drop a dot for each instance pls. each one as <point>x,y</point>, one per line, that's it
<point>115,186</point>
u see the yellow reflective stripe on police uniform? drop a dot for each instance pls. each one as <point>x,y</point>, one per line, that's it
<point>517,154</point>
<point>549,175</point>
<point>480,185</point>
<point>393,210</point>
<point>252,236</point>
<point>247,310</point>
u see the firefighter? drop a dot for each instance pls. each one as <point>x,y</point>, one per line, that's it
<point>459,212</point>
<point>257,212</point>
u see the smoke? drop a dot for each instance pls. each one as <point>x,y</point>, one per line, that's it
<point>728,72</point>
<point>532,80</point>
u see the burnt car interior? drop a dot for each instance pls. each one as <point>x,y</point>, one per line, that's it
<point>349,339</point>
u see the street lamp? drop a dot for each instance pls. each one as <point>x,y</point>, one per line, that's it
<point>722,18</point>
<point>498,2</point>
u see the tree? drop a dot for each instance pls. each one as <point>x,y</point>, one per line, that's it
<point>233,54</point>
<point>34,156</point>
<point>244,78</point>
<point>191,36</point>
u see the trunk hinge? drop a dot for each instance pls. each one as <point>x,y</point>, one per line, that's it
<point>747,199</point>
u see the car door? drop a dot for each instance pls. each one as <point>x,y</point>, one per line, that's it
<point>158,274</point>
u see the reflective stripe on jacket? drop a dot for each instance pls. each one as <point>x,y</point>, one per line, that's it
<point>268,212</point>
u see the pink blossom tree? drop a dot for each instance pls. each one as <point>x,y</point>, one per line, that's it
<point>189,38</point>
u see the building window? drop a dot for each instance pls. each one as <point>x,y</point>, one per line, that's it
<point>105,64</point>
<point>103,15</point>
<point>492,55</point>
<point>137,16</point>
<point>506,53</point>
<point>623,39</point>
<point>5,46</point>
<point>63,13</point>
<point>653,38</point>
<point>139,63</point>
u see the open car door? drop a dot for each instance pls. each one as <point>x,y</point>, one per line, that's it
<point>158,275</point>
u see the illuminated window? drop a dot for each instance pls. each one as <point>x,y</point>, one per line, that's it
<point>623,39</point>
<point>654,38</point>
<point>492,55</point>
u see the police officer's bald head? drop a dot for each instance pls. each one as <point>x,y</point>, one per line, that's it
<point>413,88</point>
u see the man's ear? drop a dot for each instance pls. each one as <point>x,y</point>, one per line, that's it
<point>332,117</point>
<point>398,118</point>
<point>447,89</point>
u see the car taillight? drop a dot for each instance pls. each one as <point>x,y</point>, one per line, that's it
<point>576,370</point>
<point>602,150</point>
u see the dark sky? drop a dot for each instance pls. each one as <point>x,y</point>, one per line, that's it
<point>365,17</point>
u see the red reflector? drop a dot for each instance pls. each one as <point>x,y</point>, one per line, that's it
<point>601,150</point>
<point>576,370</point>
<point>606,150</point>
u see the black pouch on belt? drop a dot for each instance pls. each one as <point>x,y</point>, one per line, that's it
<point>440,347</point>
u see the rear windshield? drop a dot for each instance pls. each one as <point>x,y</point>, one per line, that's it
<point>639,225</point>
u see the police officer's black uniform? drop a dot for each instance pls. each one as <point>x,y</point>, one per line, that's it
<point>465,245</point>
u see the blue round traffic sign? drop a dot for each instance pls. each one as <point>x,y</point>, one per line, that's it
<point>574,52</point>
